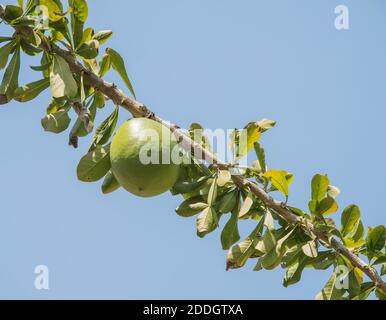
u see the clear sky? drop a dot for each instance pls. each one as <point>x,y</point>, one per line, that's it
<point>223,64</point>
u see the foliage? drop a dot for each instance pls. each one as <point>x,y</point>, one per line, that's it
<point>210,195</point>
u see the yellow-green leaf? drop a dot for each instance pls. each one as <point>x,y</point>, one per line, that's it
<point>279,180</point>
<point>54,11</point>
<point>247,139</point>
<point>103,36</point>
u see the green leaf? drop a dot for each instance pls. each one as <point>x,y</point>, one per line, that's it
<point>104,65</point>
<point>261,157</point>
<point>327,206</point>
<point>366,289</point>
<point>89,49</point>
<point>271,260</point>
<point>11,76</point>
<point>278,248</point>
<point>295,270</point>
<point>105,130</point>
<point>355,281</point>
<point>62,81</point>
<point>184,187</point>
<point>5,39</point>
<point>31,91</point>
<point>56,122</point>
<point>78,18</point>
<point>46,59</point>
<point>274,249</point>
<point>30,6</point>
<point>380,294</point>
<point>110,183</point>
<point>79,9</point>
<point>42,67</point>
<point>12,12</point>
<point>310,250</point>
<point>191,207</point>
<point>29,48</point>
<point>319,186</point>
<point>383,270</point>
<point>240,253</point>
<point>267,243</point>
<point>324,260</point>
<point>228,202</point>
<point>350,221</point>
<point>119,65</point>
<point>230,234</point>
<point>61,27</point>
<point>376,240</point>
<point>247,205</point>
<point>94,165</point>
<point>4,54</point>
<point>380,260</point>
<point>100,100</point>
<point>212,195</point>
<point>330,292</point>
<point>103,36</point>
<point>207,221</point>
<point>279,180</point>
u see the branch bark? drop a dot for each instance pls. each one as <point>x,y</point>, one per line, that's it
<point>138,109</point>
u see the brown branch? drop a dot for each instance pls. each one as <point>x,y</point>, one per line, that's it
<point>84,116</point>
<point>138,109</point>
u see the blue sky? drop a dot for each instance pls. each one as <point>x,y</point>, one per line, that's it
<point>223,64</point>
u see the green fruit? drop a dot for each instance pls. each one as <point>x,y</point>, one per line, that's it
<point>137,153</point>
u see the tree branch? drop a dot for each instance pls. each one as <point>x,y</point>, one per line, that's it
<point>138,109</point>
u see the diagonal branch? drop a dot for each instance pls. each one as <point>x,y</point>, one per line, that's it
<point>138,109</point>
